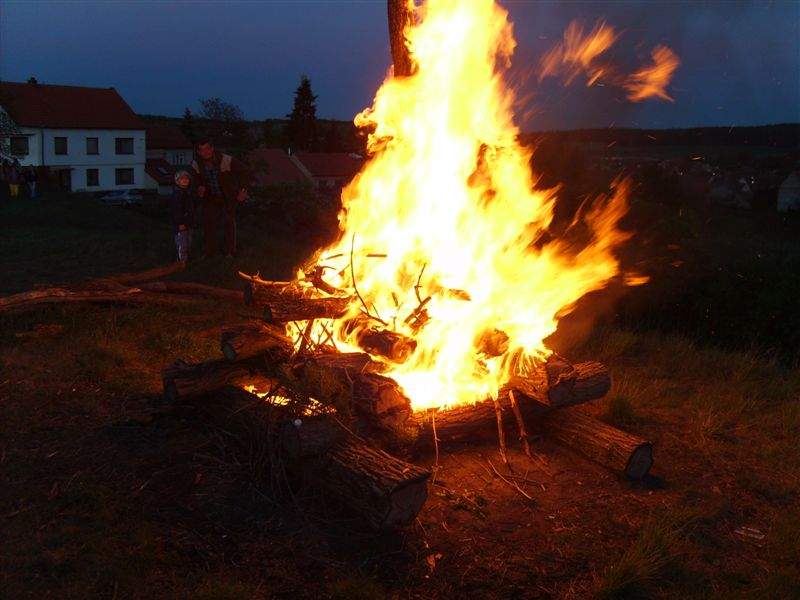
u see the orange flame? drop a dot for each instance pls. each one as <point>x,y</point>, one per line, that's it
<point>579,53</point>
<point>445,212</point>
<point>652,80</point>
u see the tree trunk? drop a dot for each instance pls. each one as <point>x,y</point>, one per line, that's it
<point>250,339</point>
<point>27,300</point>
<point>183,381</point>
<point>399,17</point>
<point>611,447</point>
<point>385,491</point>
<point>179,287</point>
<point>280,310</point>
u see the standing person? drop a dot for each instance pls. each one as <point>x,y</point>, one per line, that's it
<point>221,184</point>
<point>13,180</point>
<point>182,205</point>
<point>31,178</point>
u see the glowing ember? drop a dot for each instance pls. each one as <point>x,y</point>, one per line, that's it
<point>444,215</point>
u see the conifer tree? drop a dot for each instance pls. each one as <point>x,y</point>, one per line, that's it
<point>301,130</point>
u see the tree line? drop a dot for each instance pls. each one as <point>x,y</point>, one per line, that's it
<point>301,130</point>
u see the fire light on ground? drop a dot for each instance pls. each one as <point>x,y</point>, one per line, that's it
<point>442,233</point>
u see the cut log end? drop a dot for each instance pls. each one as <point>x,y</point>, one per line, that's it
<point>640,462</point>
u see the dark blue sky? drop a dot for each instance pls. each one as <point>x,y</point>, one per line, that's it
<point>740,60</point>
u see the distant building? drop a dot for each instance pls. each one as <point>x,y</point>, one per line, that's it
<point>274,167</point>
<point>87,139</point>
<point>168,149</point>
<point>330,170</point>
<point>789,193</point>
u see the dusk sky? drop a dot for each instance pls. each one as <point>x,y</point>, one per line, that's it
<point>740,60</point>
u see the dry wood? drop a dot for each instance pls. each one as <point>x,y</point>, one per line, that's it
<point>399,18</point>
<point>310,436</point>
<point>182,380</point>
<point>259,293</point>
<point>385,491</point>
<point>251,339</point>
<point>27,300</point>
<point>180,287</point>
<point>282,310</point>
<point>559,384</point>
<point>600,442</point>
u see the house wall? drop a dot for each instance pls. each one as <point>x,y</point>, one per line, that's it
<point>41,152</point>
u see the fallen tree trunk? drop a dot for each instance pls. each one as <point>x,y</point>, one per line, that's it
<point>147,275</point>
<point>198,289</point>
<point>385,491</point>
<point>35,298</point>
<point>304,309</point>
<point>182,380</point>
<point>611,447</point>
<point>251,339</point>
<point>479,420</point>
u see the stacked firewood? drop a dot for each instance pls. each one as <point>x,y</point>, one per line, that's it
<point>341,415</point>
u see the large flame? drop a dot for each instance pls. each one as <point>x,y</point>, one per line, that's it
<point>446,208</point>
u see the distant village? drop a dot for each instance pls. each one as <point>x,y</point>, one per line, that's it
<point>86,140</point>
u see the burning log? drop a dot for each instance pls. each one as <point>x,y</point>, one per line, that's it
<point>380,342</point>
<point>258,292</point>
<point>588,381</point>
<point>183,380</point>
<point>251,339</point>
<point>385,491</point>
<point>399,18</point>
<point>600,442</point>
<point>280,310</point>
<point>560,384</point>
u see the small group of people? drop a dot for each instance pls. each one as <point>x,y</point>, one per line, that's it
<point>13,176</point>
<point>208,194</point>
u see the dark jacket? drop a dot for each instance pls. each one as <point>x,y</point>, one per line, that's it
<point>233,176</point>
<point>182,208</point>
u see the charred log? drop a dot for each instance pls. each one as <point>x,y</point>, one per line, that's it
<point>182,380</point>
<point>282,310</point>
<point>379,341</point>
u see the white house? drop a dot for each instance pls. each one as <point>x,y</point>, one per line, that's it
<point>88,139</point>
<point>168,149</point>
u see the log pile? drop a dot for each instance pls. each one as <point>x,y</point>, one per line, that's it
<point>340,413</point>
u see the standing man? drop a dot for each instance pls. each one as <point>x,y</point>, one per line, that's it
<point>31,178</point>
<point>222,184</point>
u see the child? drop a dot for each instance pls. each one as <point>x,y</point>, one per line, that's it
<point>182,203</point>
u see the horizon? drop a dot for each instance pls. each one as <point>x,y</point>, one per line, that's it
<point>253,55</point>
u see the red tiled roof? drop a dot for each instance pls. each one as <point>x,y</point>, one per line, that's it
<point>66,107</point>
<point>160,170</point>
<point>272,166</point>
<point>166,137</point>
<point>331,164</point>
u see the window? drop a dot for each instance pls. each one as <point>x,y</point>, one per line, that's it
<point>124,176</point>
<point>92,177</point>
<point>19,146</point>
<point>92,145</point>
<point>179,158</point>
<point>124,145</point>
<point>60,146</point>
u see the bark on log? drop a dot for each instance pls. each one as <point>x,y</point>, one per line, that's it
<point>611,447</point>
<point>399,17</point>
<point>198,289</point>
<point>303,309</point>
<point>259,293</point>
<point>350,382</point>
<point>27,300</point>
<point>479,421</point>
<point>385,491</point>
<point>182,380</point>
<point>560,384</point>
<point>251,339</point>
<point>311,436</point>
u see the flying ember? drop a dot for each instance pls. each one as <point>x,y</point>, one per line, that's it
<point>442,233</point>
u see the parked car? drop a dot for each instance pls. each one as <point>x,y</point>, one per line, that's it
<point>122,198</point>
